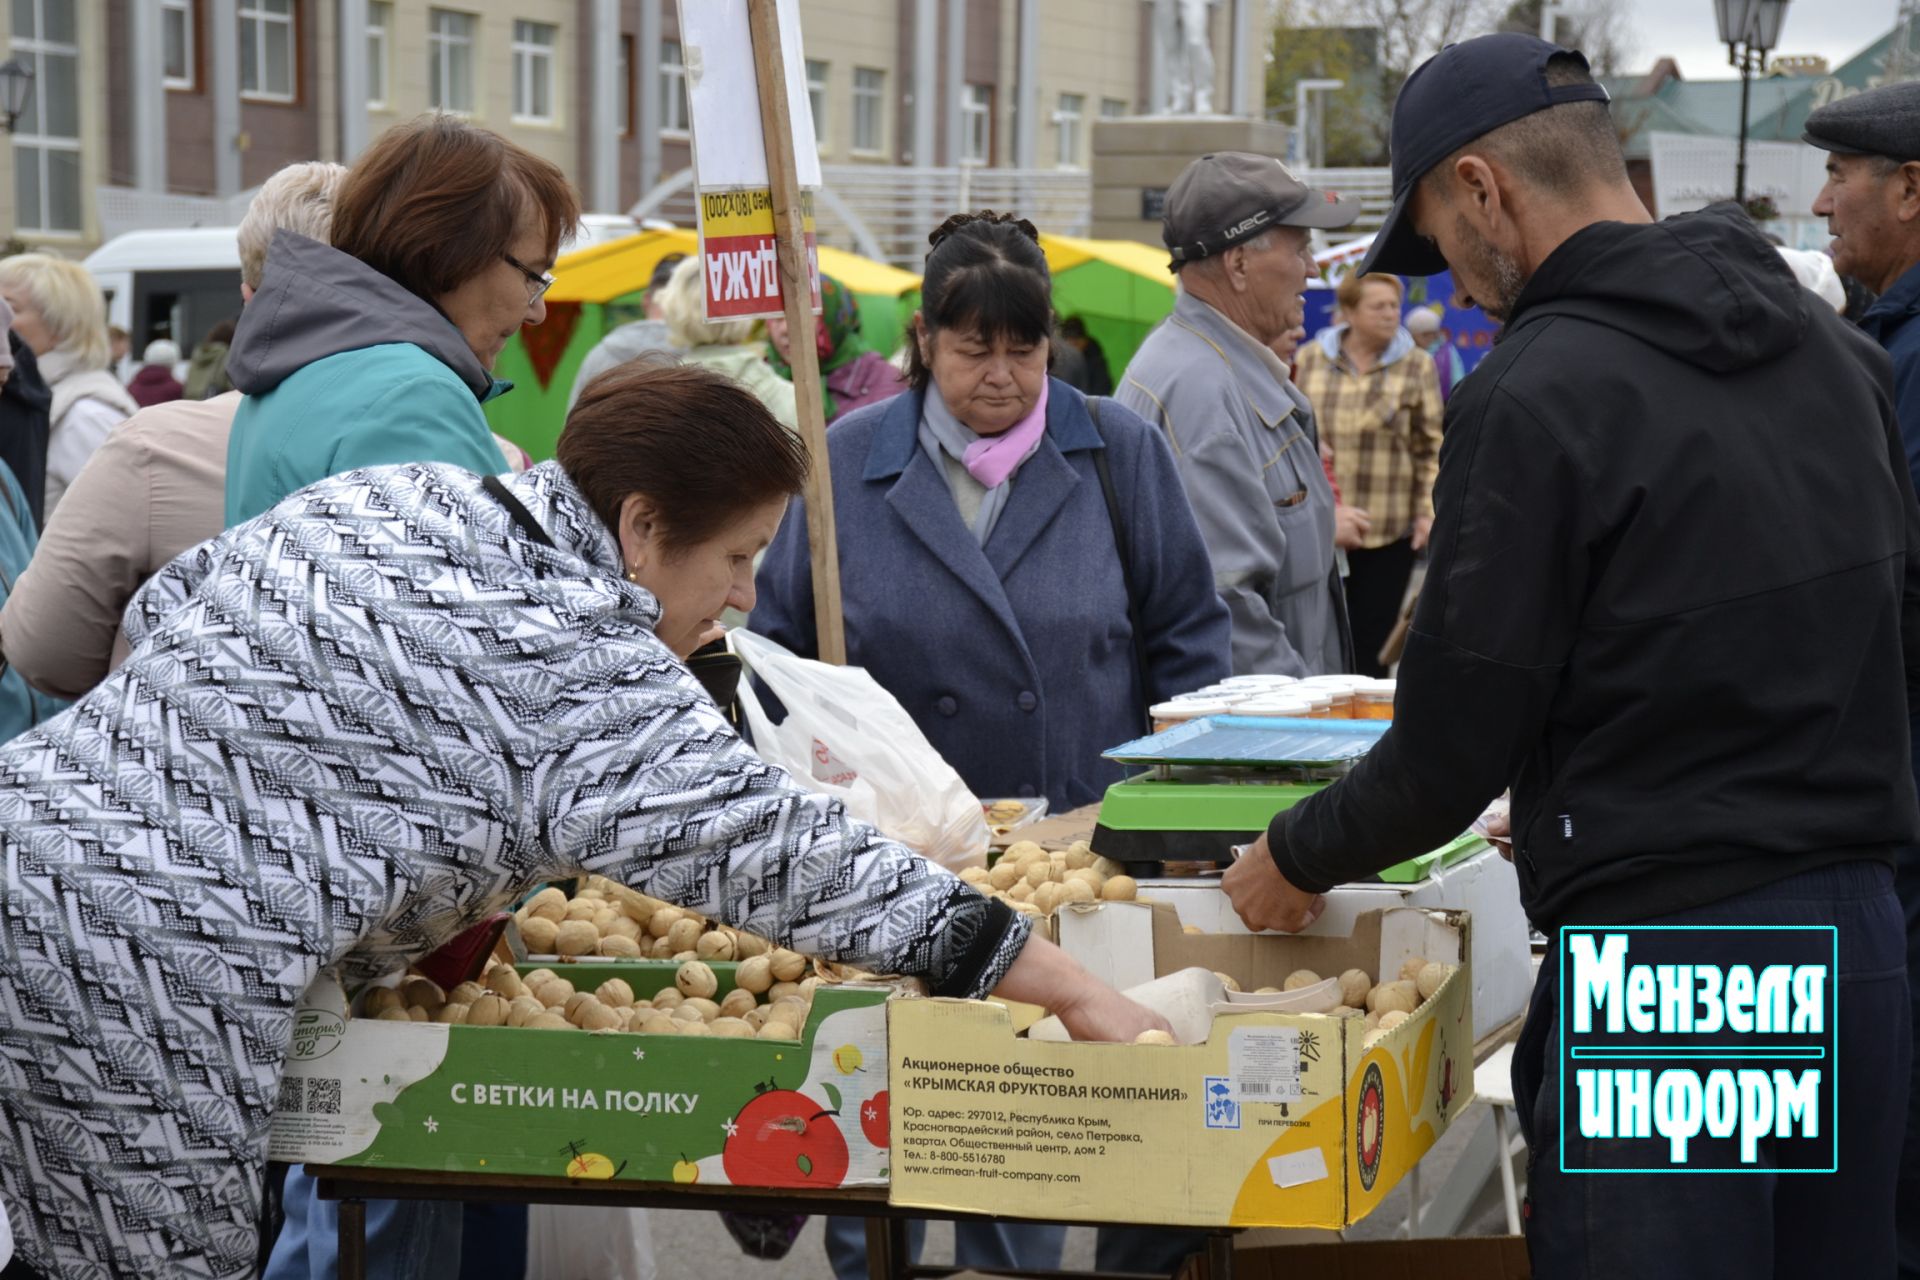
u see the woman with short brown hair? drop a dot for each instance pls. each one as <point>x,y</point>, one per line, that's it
<point>379,348</point>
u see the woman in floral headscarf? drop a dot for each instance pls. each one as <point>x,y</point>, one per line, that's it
<point>853,373</point>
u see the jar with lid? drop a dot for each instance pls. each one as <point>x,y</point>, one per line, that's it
<point>1319,702</point>
<point>1374,700</point>
<point>1170,715</point>
<point>1341,689</point>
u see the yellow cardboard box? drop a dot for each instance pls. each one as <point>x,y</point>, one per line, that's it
<point>1280,1120</point>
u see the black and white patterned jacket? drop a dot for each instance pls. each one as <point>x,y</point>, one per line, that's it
<point>350,729</point>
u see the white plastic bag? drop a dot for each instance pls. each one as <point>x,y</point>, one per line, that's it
<point>846,737</point>
<point>585,1242</point>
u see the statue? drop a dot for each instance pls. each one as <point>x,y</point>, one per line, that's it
<point>1182,33</point>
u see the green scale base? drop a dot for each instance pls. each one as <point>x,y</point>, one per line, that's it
<point>1146,822</point>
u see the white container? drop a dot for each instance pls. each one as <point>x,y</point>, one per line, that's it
<point>1185,999</point>
<point>1322,997</point>
<point>1192,708</point>
<point>1167,715</point>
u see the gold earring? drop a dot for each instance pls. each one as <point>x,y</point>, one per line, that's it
<point>633,575</point>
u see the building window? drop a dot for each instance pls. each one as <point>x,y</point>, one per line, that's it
<point>379,22</point>
<point>976,125</point>
<point>673,88</point>
<point>869,110</point>
<point>817,98</point>
<point>267,50</point>
<point>1114,108</point>
<point>533,72</point>
<point>176,43</point>
<point>1066,122</point>
<point>46,141</point>
<point>626,86</point>
<point>450,61</point>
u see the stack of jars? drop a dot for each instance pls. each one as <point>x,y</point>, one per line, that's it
<point>1281,698</point>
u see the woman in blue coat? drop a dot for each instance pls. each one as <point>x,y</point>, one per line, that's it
<point>981,577</point>
<point>980,574</point>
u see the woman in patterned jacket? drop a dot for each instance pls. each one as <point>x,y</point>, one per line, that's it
<point>357,725</point>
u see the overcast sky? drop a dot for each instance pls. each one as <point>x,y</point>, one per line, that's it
<point>1684,30</point>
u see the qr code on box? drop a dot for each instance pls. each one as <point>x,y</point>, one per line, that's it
<point>323,1097</point>
<point>290,1093</point>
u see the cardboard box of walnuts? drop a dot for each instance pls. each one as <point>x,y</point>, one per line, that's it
<point>1285,1120</point>
<point>566,1102</point>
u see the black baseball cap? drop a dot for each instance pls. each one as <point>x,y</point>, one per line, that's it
<point>1229,196</point>
<point>1464,92</point>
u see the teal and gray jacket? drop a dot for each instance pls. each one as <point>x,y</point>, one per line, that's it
<point>343,368</point>
<point>21,705</point>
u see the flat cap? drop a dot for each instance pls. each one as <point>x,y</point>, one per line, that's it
<point>1879,122</point>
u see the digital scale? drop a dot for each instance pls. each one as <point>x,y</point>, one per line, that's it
<point>1214,783</point>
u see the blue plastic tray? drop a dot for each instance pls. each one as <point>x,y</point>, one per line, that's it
<point>1245,740</point>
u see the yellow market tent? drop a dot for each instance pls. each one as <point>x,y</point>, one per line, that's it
<point>599,288</point>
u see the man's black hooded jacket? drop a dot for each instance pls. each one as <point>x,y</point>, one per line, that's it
<point>1674,599</point>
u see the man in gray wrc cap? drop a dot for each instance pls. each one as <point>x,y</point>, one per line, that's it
<point>1236,228</point>
<point>1872,206</point>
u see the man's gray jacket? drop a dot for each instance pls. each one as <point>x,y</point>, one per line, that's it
<point>1248,450</point>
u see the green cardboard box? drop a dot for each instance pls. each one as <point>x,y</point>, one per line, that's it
<point>771,1113</point>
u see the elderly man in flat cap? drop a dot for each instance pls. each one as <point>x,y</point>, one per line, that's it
<point>1872,206</point>
<point>1248,449</point>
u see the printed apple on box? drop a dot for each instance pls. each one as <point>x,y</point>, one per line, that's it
<point>507,1100</point>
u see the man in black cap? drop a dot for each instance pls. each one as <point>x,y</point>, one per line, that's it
<point>1674,605</point>
<point>1872,206</point>
<point>1237,228</point>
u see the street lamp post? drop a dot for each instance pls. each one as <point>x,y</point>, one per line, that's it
<point>16,82</point>
<point>1314,156</point>
<point>1749,29</point>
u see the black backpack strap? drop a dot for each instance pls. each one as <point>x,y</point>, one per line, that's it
<point>516,510</point>
<point>1125,549</point>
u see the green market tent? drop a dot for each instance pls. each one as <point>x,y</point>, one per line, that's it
<point>1121,289</point>
<point>600,288</point>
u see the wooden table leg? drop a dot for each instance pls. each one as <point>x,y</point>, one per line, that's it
<point>1220,1255</point>
<point>353,1239</point>
<point>882,1262</point>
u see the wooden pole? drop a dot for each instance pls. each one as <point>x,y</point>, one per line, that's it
<point>796,286</point>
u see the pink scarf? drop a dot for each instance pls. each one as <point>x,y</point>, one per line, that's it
<point>991,459</point>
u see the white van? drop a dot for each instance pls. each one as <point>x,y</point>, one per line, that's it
<point>599,228</point>
<point>179,284</point>
<point>169,284</point>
